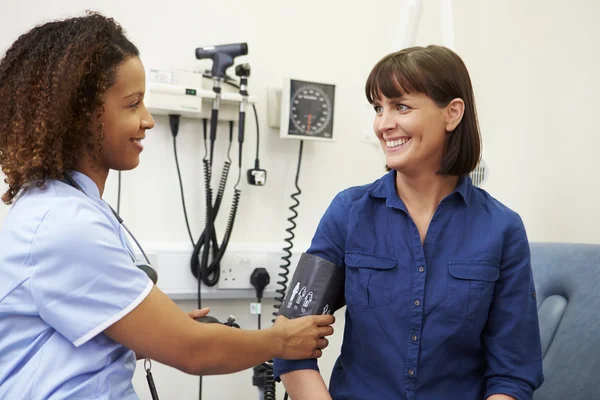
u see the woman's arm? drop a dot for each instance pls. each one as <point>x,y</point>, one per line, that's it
<point>306,385</point>
<point>500,397</point>
<point>512,335</point>
<point>160,330</point>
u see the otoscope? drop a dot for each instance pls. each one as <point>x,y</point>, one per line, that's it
<point>222,57</point>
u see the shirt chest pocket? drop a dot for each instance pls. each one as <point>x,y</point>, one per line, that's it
<point>369,280</point>
<point>471,290</point>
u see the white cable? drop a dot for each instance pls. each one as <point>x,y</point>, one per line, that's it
<point>447,23</point>
<point>413,18</point>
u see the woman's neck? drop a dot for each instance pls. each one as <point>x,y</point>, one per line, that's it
<point>95,173</point>
<point>423,193</point>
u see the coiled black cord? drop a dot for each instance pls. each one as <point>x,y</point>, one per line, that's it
<point>269,377</point>
<point>220,252</point>
<point>207,274</point>
<point>286,258</point>
<point>203,271</point>
<point>236,197</point>
<point>232,213</point>
<point>269,391</point>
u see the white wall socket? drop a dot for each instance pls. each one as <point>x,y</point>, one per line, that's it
<point>236,268</point>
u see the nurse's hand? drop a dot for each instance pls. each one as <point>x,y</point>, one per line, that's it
<point>203,312</point>
<point>304,337</point>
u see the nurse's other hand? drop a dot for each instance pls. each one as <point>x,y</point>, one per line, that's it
<point>203,312</point>
<point>304,337</point>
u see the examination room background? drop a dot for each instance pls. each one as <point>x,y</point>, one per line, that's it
<point>534,67</point>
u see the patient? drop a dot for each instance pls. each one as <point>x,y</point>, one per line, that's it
<point>439,289</point>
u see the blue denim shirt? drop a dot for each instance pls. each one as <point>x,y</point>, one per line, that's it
<point>454,318</point>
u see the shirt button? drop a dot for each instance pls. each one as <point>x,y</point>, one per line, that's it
<point>414,338</point>
<point>411,372</point>
<point>417,303</point>
<point>421,269</point>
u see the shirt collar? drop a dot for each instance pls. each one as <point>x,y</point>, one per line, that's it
<point>86,183</point>
<point>464,187</point>
<point>385,188</point>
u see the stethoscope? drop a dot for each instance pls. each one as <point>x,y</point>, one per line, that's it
<point>151,272</point>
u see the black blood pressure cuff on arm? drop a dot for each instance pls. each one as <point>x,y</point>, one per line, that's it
<point>317,288</point>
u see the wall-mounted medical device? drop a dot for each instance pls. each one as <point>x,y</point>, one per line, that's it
<point>211,97</point>
<point>303,110</point>
<point>190,95</point>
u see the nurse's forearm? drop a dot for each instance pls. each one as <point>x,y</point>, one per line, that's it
<point>223,350</point>
<point>305,384</point>
<point>500,397</point>
<point>228,352</point>
<point>158,329</point>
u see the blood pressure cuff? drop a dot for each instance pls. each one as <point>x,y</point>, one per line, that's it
<point>317,288</point>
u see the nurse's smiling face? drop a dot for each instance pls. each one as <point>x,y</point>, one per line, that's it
<point>118,125</point>
<point>124,118</point>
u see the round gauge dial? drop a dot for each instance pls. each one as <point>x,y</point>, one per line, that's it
<point>310,110</point>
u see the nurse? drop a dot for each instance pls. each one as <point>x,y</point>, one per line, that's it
<point>75,312</point>
<point>439,289</point>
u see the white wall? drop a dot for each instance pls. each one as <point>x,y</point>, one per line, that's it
<point>534,69</point>
<point>534,65</point>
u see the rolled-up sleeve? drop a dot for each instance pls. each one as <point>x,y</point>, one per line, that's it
<point>329,244</point>
<point>512,336</point>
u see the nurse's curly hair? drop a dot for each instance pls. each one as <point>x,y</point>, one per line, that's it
<point>52,82</point>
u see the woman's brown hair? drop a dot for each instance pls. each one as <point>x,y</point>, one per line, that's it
<point>52,81</point>
<point>440,74</point>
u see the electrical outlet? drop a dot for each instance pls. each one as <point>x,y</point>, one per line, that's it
<point>228,278</point>
<point>236,268</point>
